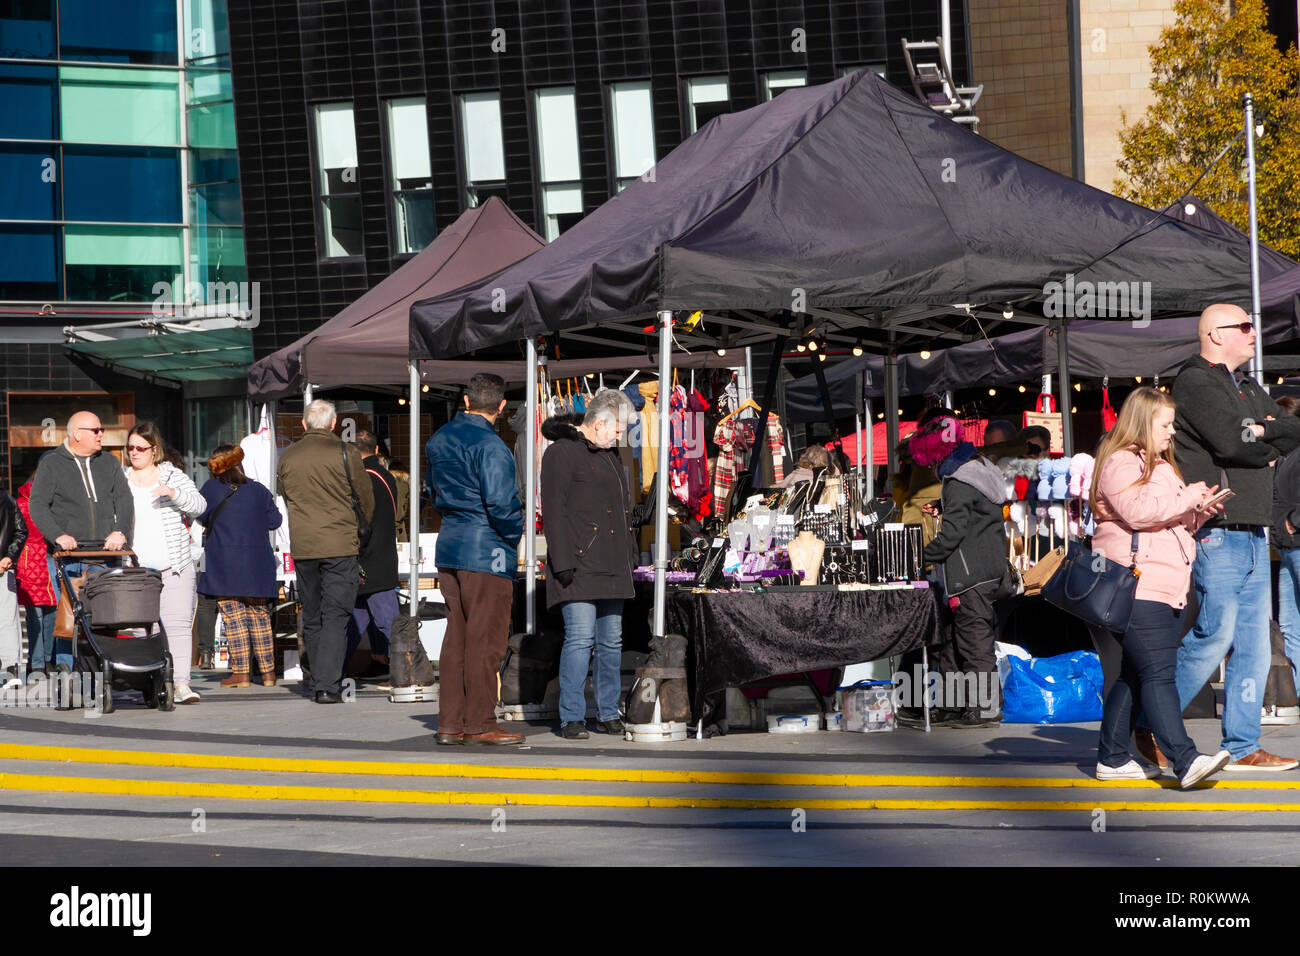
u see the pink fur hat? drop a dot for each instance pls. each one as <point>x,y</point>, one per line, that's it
<point>935,442</point>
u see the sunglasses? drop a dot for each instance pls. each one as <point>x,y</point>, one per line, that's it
<point>1245,328</point>
<point>97,431</point>
<point>140,448</point>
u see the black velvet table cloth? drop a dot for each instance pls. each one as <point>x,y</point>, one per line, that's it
<point>739,637</point>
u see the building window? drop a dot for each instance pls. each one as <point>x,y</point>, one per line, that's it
<point>880,69</point>
<point>120,263</point>
<point>776,83</point>
<point>27,30</point>
<point>559,172</point>
<point>484,153</point>
<point>633,131</point>
<point>107,105</point>
<point>30,267</point>
<point>412,174</point>
<point>124,31</point>
<point>146,184</point>
<point>28,181</point>
<point>336,152</point>
<point>27,102</point>
<point>707,97</point>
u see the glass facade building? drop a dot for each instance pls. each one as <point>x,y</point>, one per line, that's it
<point>118,173</point>
<point>117,149</point>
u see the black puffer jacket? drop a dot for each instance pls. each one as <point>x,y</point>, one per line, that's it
<point>13,529</point>
<point>585,517</point>
<point>970,544</point>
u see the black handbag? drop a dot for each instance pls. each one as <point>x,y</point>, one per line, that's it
<point>1095,589</point>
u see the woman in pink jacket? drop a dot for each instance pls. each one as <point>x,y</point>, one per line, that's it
<point>1136,486</point>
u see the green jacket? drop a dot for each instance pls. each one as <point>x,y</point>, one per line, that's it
<point>314,484</point>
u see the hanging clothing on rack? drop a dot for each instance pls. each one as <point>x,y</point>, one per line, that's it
<point>649,433</point>
<point>738,438</point>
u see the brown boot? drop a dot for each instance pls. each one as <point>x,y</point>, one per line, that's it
<point>502,738</point>
<point>236,680</point>
<point>268,680</point>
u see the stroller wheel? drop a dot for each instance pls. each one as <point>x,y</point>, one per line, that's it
<point>150,694</point>
<point>166,692</point>
<point>106,703</point>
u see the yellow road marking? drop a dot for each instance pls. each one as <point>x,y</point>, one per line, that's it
<point>245,791</point>
<point>145,758</point>
<point>404,769</point>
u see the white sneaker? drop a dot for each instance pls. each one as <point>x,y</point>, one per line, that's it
<point>1280,716</point>
<point>1203,766</point>
<point>184,695</point>
<point>1129,771</point>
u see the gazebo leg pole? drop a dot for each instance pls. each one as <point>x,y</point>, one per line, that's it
<point>530,490</point>
<point>661,501</point>
<point>1063,374</point>
<point>413,522</point>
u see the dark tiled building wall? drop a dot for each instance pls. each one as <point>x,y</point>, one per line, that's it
<point>29,367</point>
<point>288,57</point>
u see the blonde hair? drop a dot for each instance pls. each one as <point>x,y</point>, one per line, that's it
<point>1133,430</point>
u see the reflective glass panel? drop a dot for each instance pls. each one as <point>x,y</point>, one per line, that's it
<point>27,29</point>
<point>27,102</point>
<point>29,263</point>
<point>106,105</point>
<point>112,184</point>
<point>123,31</point>
<point>28,181</point>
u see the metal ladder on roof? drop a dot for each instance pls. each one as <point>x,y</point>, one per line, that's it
<point>935,85</point>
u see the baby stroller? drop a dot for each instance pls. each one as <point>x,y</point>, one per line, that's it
<point>112,600</point>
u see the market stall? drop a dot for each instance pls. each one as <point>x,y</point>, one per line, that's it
<point>762,224</point>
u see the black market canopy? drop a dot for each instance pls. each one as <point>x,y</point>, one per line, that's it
<point>851,203</point>
<point>1097,347</point>
<point>366,343</point>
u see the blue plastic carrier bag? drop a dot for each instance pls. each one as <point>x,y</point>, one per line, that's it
<point>1065,689</point>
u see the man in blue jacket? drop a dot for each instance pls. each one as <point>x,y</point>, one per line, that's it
<point>473,478</point>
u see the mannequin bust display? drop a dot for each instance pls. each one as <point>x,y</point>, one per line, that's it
<point>806,555</point>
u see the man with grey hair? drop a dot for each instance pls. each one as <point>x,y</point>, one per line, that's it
<point>591,551</point>
<point>331,503</point>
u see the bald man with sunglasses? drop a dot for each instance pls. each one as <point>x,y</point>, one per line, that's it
<point>1228,434</point>
<point>80,497</point>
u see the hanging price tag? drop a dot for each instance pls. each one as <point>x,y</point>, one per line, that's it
<point>823,509</point>
<point>719,542</point>
<point>785,519</point>
<point>861,545</point>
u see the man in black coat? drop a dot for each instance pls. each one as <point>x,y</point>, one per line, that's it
<point>376,604</point>
<point>1230,435</point>
<point>590,551</point>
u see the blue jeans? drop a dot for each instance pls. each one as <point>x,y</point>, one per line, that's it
<point>1146,683</point>
<point>585,623</point>
<point>373,613</point>
<point>1288,613</point>
<point>1231,577</point>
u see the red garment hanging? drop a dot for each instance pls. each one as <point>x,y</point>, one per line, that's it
<point>1108,416</point>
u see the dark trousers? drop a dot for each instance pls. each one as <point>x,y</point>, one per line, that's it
<point>373,613</point>
<point>478,630</point>
<point>327,588</point>
<point>969,646</point>
<point>1146,684</point>
<point>205,622</point>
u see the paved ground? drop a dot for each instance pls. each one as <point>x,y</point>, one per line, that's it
<point>264,777</point>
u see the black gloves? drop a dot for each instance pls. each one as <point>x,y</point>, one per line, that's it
<point>564,577</point>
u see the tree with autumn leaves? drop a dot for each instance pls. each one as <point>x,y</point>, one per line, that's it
<point>1217,51</point>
